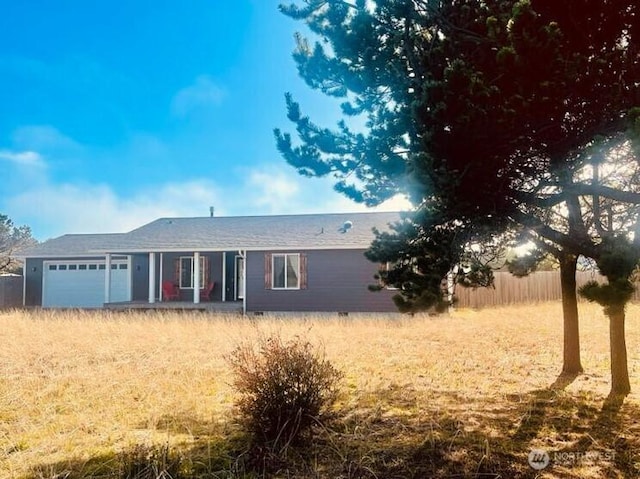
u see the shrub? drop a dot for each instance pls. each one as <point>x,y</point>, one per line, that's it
<point>285,388</point>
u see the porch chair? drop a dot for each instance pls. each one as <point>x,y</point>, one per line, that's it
<point>206,292</point>
<point>170,291</point>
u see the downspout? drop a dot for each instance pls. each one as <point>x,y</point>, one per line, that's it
<point>244,280</point>
<point>451,287</point>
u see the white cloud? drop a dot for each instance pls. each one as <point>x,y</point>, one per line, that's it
<point>22,158</point>
<point>397,203</point>
<point>203,93</point>
<point>271,189</point>
<point>55,209</point>
<point>43,138</point>
<point>67,208</point>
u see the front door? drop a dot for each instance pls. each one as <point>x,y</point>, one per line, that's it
<point>239,277</point>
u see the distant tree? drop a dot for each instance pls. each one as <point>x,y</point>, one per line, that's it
<point>485,113</point>
<point>12,239</point>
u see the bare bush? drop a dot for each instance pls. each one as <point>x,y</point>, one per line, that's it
<point>285,388</point>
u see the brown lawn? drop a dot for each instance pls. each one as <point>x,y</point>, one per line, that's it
<point>465,395</point>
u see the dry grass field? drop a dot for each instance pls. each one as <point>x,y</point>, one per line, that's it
<point>465,395</point>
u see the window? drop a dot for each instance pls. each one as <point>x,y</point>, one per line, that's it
<point>286,271</point>
<point>385,268</point>
<point>73,267</point>
<point>186,272</point>
<point>82,266</point>
<point>386,271</point>
<point>53,267</point>
<point>93,266</point>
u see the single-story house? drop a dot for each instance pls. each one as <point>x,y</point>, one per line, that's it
<point>301,263</point>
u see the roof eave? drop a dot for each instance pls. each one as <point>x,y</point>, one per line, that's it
<point>221,250</point>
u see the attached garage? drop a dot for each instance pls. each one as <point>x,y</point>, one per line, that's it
<point>81,284</point>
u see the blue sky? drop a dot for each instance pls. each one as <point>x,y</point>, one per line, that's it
<point>115,113</point>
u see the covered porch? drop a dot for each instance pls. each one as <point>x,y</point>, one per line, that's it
<point>202,280</point>
<point>230,307</point>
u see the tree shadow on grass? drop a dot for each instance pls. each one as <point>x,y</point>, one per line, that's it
<point>563,380</point>
<point>540,404</point>
<point>582,431</point>
<point>211,453</point>
<point>493,439</point>
<point>405,437</point>
<point>613,437</point>
<point>404,433</point>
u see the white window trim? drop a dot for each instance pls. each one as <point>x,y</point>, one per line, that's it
<point>273,271</point>
<point>202,272</point>
<point>387,266</point>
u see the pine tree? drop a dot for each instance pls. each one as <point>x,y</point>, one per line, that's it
<point>485,113</point>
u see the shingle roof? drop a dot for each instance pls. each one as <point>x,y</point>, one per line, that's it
<point>72,245</point>
<point>312,231</point>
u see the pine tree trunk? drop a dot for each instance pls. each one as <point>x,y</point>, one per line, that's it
<point>619,371</point>
<point>571,355</point>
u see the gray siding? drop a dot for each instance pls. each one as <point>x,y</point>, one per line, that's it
<point>33,280</point>
<point>140,277</point>
<point>215,274</point>
<point>337,281</point>
<point>230,277</point>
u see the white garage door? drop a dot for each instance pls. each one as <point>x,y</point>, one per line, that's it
<point>80,284</point>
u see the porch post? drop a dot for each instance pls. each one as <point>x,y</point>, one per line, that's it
<point>224,276</point>
<point>152,278</point>
<point>107,278</point>
<point>160,276</point>
<point>196,277</point>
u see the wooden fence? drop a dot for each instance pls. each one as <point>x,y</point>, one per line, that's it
<point>10,291</point>
<point>537,287</point>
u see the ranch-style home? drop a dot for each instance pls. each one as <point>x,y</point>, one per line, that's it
<point>297,263</point>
